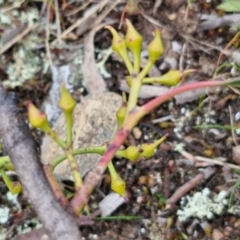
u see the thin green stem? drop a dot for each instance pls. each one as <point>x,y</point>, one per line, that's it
<point>96,149</point>
<point>56,139</point>
<point>13,187</point>
<point>69,123</point>
<point>134,92</point>
<point>111,169</point>
<point>74,169</point>
<point>232,195</point>
<point>136,84</point>
<point>6,179</point>
<point>161,80</point>
<point>136,61</point>
<point>124,97</point>
<point>128,63</point>
<point>145,70</point>
<point>8,166</point>
<point>4,160</point>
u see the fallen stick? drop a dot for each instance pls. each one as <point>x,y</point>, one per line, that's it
<point>19,145</point>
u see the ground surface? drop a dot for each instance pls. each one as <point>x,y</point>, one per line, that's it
<point>150,183</point>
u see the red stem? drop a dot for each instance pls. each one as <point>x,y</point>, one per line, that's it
<point>177,90</point>
<point>136,114</point>
<point>92,178</point>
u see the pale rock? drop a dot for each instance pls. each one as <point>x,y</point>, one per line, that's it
<point>217,234</point>
<point>94,124</point>
<point>137,133</point>
<point>236,154</point>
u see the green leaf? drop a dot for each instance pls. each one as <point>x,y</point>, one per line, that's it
<point>161,199</point>
<point>230,6</point>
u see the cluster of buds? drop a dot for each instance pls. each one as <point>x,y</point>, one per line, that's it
<point>145,151</point>
<point>38,118</point>
<point>133,43</point>
<point>132,153</point>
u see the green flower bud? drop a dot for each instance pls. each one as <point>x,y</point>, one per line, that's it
<point>121,114</point>
<point>133,39</point>
<point>133,153</point>
<point>13,187</point>
<point>148,148</point>
<point>118,185</point>
<point>155,47</point>
<point>37,118</point>
<point>66,102</point>
<point>171,78</point>
<point>134,42</point>
<point>120,47</point>
<point>16,188</point>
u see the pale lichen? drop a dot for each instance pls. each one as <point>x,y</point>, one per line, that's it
<point>201,206</point>
<point>4,214</point>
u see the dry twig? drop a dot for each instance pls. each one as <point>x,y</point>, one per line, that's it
<point>19,145</point>
<point>17,38</point>
<point>190,185</point>
<point>81,20</point>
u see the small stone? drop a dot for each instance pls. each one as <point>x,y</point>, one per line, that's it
<point>95,236</point>
<point>236,154</point>
<point>110,203</point>
<point>237,117</point>
<point>137,133</point>
<point>237,223</point>
<point>143,231</point>
<point>94,124</point>
<point>217,234</point>
<point>139,199</point>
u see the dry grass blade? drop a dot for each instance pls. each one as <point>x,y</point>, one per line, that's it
<point>47,36</point>
<point>76,10</point>
<point>105,13</point>
<point>93,10</point>
<point>232,128</point>
<point>94,80</point>
<point>59,32</point>
<point>17,38</point>
<point>157,4</point>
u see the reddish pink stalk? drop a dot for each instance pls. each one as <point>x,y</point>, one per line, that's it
<point>54,185</point>
<point>137,113</point>
<point>82,195</point>
<point>175,91</point>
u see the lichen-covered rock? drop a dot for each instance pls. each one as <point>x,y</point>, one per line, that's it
<point>94,123</point>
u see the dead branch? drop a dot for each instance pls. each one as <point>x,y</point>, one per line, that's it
<point>181,191</point>
<point>20,146</point>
